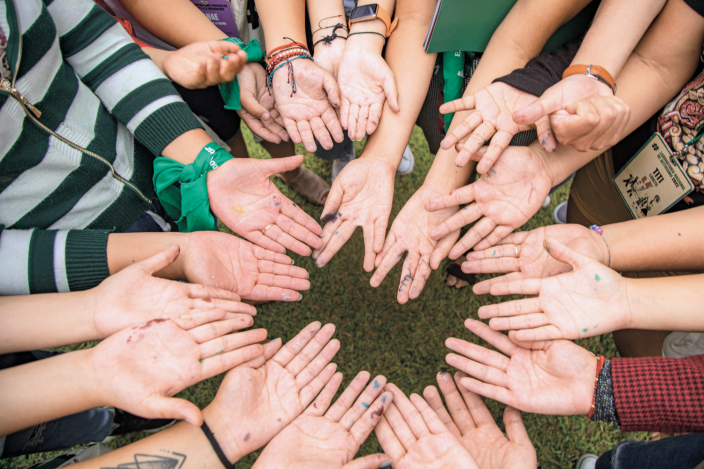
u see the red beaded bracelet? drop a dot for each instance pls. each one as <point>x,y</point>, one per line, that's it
<point>599,365</point>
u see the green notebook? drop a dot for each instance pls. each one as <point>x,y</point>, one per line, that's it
<point>467,25</point>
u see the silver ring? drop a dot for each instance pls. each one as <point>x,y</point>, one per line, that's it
<point>518,251</point>
<point>267,227</point>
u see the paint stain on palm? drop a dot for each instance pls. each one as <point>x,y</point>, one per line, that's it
<point>596,277</point>
<point>585,330</point>
<point>239,209</point>
<point>277,204</point>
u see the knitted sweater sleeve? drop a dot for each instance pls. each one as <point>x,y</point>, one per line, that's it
<point>128,83</point>
<point>48,261</point>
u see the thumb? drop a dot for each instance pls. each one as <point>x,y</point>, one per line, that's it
<point>562,253</point>
<point>160,261</point>
<point>280,165</point>
<point>391,91</point>
<point>373,461</point>
<point>331,89</point>
<point>171,407</point>
<point>547,104</point>
<point>251,105</point>
<point>333,202</point>
<point>515,429</point>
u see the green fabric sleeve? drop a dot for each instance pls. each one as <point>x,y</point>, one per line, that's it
<point>230,91</point>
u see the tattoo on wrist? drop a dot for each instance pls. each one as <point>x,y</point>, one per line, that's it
<point>167,460</point>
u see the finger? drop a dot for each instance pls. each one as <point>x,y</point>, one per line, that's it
<point>491,266</point>
<point>468,214</point>
<point>507,250</point>
<point>431,419</point>
<point>331,89</point>
<point>483,288</point>
<point>369,254</point>
<point>548,103</point>
<point>219,340</point>
<point>530,345</point>
<point>499,142</point>
<point>490,391</point>
<point>292,130</point>
<point>269,349</point>
<point>298,232</point>
<point>251,104</point>
<point>510,308</point>
<point>362,122</point>
<point>217,329</point>
<point>292,348</point>
<point>296,213</point>
<point>466,103</point>
<point>283,270</point>
<point>479,231</point>
<point>386,263</point>
<point>275,126</point>
<point>540,334</point>
<point>400,428</point>
<point>442,249</point>
<point>306,133</point>
<point>160,407</point>
<point>273,166</point>
<point>313,388</point>
<point>528,286</point>
<point>321,133</point>
<point>373,461</point>
<point>284,282</point>
<point>391,92</point>
<point>477,140</point>
<point>322,402</point>
<point>337,239</point>
<point>408,271</point>
<point>388,244</point>
<point>525,321</point>
<point>197,318</point>
<point>366,422</point>
<point>515,429</point>
<point>331,122</point>
<point>455,403</point>
<point>420,278</point>
<point>269,293</point>
<point>223,362</point>
<point>478,353</point>
<point>433,399</point>
<point>366,406</point>
<point>308,350</point>
<point>486,373</point>
<point>388,440</point>
<point>497,339</point>
<point>352,120</point>
<point>160,261</point>
<point>277,234</point>
<point>496,235</point>
<point>478,410</point>
<point>226,305</point>
<point>562,253</point>
<point>346,400</point>
<point>380,225</point>
<point>344,112</point>
<point>318,364</point>
<point>258,128</point>
<point>409,412</point>
<point>463,195</point>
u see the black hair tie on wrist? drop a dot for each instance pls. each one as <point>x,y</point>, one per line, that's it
<point>216,446</point>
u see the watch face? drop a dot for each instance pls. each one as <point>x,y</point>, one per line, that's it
<point>363,12</point>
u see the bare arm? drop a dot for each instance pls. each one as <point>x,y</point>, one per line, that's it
<point>282,19</point>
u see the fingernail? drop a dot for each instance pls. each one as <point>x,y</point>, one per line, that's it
<point>385,464</point>
<point>307,275</point>
<point>293,262</point>
<point>301,298</point>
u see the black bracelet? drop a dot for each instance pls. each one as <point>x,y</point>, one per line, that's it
<point>216,446</point>
<point>369,32</point>
<point>328,39</point>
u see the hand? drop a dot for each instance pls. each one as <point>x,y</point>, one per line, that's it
<point>309,111</point>
<point>247,202</point>
<point>203,64</point>
<point>133,296</point>
<point>471,423</point>
<point>139,368</point>
<point>533,260</point>
<point>410,233</point>
<point>557,379</point>
<point>491,120</point>
<point>320,439</point>
<point>328,56</point>
<point>568,91</point>
<point>361,195</point>
<point>596,123</point>
<point>504,199</point>
<point>259,399</point>
<point>366,81</point>
<point>231,263</point>
<point>591,300</point>
<point>258,105</point>
<point>413,435</point>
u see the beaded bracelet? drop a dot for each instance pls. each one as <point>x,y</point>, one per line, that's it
<point>599,364</point>
<point>600,232</point>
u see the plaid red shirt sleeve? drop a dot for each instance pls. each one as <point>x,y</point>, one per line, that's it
<point>659,394</point>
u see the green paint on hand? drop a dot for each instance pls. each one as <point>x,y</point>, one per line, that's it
<point>547,248</point>
<point>596,277</point>
<point>597,325</point>
<point>585,330</point>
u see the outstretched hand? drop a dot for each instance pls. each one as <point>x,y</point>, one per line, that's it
<point>590,300</point>
<point>557,378</point>
<point>491,122</point>
<point>203,64</point>
<point>471,422</point>
<point>247,202</point>
<point>258,105</point>
<point>411,233</point>
<point>133,296</point>
<point>329,437</point>
<point>415,438</point>
<point>522,255</point>
<point>259,399</point>
<point>140,368</point>
<point>309,111</point>
<point>361,195</point>
<point>499,202</point>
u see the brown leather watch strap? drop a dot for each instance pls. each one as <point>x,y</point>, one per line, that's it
<point>593,71</point>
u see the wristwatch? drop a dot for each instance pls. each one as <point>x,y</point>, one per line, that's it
<point>592,71</point>
<point>372,12</point>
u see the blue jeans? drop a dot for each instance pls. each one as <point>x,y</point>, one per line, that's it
<point>338,150</point>
<point>77,429</point>
<point>675,452</point>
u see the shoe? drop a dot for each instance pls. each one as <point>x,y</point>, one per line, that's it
<point>547,201</point>
<point>683,344</point>
<point>124,423</point>
<point>560,213</point>
<point>407,164</point>
<point>588,461</point>
<point>339,164</point>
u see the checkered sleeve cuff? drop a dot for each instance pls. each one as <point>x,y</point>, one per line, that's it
<point>604,403</point>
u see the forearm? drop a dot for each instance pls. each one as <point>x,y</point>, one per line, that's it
<point>33,322</point>
<point>158,56</point>
<point>125,249</point>
<point>45,390</point>
<point>413,69</point>
<point>610,40</point>
<point>185,147</point>
<point>184,24</point>
<point>282,19</point>
<point>325,14</point>
<point>667,303</point>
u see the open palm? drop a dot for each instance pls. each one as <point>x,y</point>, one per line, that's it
<point>410,233</point>
<point>258,105</point>
<point>243,197</point>
<point>499,202</point>
<point>361,195</point>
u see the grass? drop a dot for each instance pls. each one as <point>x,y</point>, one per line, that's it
<point>404,343</point>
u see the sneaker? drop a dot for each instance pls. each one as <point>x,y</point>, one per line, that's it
<point>547,201</point>
<point>407,164</point>
<point>683,344</point>
<point>588,461</point>
<point>124,423</point>
<point>339,164</point>
<point>560,213</point>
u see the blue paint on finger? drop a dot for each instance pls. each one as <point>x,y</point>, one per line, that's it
<point>365,405</point>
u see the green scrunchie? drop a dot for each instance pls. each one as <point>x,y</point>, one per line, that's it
<point>188,205</point>
<point>230,91</point>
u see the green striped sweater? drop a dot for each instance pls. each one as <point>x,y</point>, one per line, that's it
<point>96,88</point>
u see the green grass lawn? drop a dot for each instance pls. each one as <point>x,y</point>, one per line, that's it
<point>403,342</point>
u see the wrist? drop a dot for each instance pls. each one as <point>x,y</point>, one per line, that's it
<point>602,248</point>
<point>86,380</point>
<point>371,43</point>
<point>375,25</point>
<point>633,297</point>
<point>224,436</point>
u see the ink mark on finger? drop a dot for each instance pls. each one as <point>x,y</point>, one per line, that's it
<point>247,436</point>
<point>365,405</point>
<point>376,384</point>
<point>383,399</point>
<point>377,413</point>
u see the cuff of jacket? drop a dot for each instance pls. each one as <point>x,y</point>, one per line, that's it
<point>164,125</point>
<point>604,402</point>
<point>86,258</point>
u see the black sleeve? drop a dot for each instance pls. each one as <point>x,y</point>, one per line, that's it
<point>697,5</point>
<point>545,70</point>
